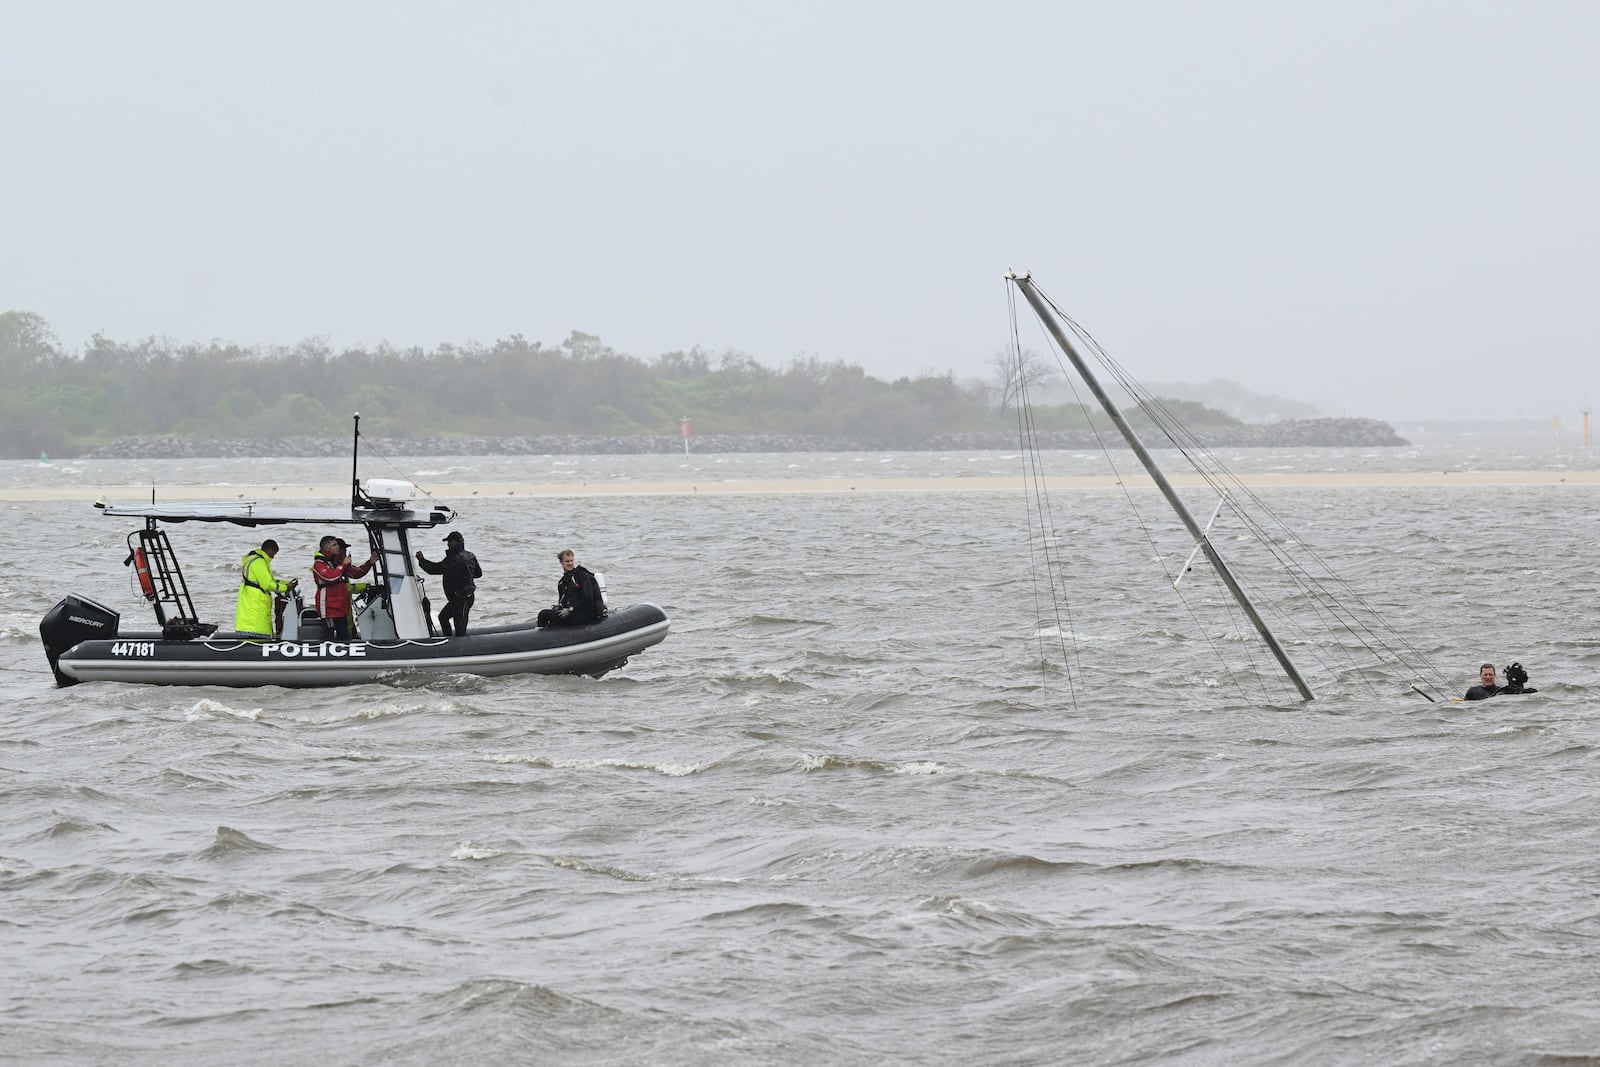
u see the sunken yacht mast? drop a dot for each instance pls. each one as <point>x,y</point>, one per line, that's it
<point>1024,283</point>
<point>1356,638</point>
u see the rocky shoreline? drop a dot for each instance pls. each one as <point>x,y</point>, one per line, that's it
<point>1295,433</point>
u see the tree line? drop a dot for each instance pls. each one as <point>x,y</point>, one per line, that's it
<point>64,402</point>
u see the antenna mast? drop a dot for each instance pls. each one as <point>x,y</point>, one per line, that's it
<point>355,449</point>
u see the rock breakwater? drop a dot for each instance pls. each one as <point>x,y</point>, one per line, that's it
<point>1296,433</point>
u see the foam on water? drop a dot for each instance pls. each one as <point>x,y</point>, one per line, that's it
<point>670,768</point>
<point>210,709</point>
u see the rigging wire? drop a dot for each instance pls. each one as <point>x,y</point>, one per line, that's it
<point>1331,609</point>
<point>1155,548</point>
<point>1036,496</point>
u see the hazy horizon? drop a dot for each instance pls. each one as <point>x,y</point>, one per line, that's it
<point>1383,210</point>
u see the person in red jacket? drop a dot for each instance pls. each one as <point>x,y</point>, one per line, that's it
<point>332,569</point>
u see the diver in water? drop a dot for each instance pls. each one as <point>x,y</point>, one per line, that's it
<point>1516,683</point>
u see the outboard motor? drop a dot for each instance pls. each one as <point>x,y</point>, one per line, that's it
<point>74,620</point>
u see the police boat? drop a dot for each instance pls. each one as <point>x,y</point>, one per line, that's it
<point>85,642</point>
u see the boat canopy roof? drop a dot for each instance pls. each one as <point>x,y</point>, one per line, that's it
<point>250,513</point>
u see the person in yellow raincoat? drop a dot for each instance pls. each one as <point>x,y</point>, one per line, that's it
<point>254,612</point>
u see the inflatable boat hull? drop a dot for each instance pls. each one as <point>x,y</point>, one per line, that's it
<point>232,660</point>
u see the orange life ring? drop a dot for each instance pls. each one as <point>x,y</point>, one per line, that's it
<point>141,567</point>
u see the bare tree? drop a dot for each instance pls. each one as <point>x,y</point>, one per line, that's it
<point>1018,374</point>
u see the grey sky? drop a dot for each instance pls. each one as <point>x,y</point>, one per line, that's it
<point>1382,208</point>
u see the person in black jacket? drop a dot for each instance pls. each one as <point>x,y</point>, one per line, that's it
<point>577,594</point>
<point>459,568</point>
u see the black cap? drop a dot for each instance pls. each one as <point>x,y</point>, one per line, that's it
<point>455,535</point>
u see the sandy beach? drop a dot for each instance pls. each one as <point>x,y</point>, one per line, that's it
<point>127,494</point>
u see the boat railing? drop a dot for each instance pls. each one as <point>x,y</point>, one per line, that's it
<point>167,591</point>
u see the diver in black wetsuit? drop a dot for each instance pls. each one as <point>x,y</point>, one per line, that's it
<point>1516,683</point>
<point>1485,687</point>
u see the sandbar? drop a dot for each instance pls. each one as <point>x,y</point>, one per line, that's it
<point>131,494</point>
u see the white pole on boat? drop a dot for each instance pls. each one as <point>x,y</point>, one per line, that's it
<point>1023,281</point>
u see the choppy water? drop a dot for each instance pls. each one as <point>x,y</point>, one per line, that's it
<point>841,815</point>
